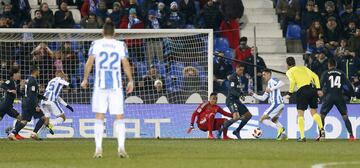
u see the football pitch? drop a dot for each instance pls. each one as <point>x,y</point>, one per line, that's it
<point>168,153</point>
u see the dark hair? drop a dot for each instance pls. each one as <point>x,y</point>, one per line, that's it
<point>13,71</point>
<point>290,61</point>
<point>267,71</point>
<point>33,69</point>
<point>239,65</point>
<point>109,29</point>
<point>213,94</point>
<point>332,62</point>
<point>37,10</point>
<point>243,39</point>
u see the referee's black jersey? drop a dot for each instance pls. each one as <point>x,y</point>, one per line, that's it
<point>334,82</point>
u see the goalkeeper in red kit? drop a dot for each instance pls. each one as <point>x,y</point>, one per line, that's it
<point>206,120</point>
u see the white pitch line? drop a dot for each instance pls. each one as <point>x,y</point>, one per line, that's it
<point>323,165</point>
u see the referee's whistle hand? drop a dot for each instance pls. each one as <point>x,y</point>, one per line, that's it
<point>320,93</point>
<point>287,97</point>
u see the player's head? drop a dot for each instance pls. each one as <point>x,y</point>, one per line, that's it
<point>266,74</point>
<point>34,70</point>
<point>331,63</point>
<point>15,73</point>
<point>240,69</point>
<point>61,74</point>
<point>213,98</point>
<point>108,30</point>
<point>290,61</point>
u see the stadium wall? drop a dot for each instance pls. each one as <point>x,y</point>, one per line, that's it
<point>159,122</point>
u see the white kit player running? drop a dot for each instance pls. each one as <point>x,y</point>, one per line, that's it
<point>51,105</point>
<point>108,54</point>
<point>271,115</point>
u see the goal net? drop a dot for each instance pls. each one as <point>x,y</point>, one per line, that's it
<point>171,69</point>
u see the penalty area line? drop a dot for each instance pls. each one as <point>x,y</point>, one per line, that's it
<point>324,165</point>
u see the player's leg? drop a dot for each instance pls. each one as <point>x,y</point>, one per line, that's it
<point>210,125</point>
<point>116,107</point>
<point>99,107</point>
<point>266,119</point>
<point>313,103</point>
<point>58,112</point>
<point>46,109</point>
<point>20,124</point>
<point>39,124</point>
<point>218,123</point>
<point>341,106</point>
<point>274,115</point>
<point>326,106</point>
<point>245,116</point>
<point>236,116</point>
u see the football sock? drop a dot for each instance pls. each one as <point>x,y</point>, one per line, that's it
<point>318,121</point>
<point>98,131</point>
<point>348,124</point>
<point>269,123</point>
<point>278,124</point>
<point>242,124</point>
<point>121,132</point>
<point>38,125</point>
<point>301,123</point>
<point>211,124</point>
<point>18,126</point>
<point>227,124</point>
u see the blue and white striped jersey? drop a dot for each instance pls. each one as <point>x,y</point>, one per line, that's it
<point>275,94</point>
<point>54,87</point>
<point>108,54</point>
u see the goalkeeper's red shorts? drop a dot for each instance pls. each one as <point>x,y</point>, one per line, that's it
<point>218,122</point>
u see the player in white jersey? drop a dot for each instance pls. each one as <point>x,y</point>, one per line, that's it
<point>51,105</point>
<point>271,115</point>
<point>108,54</point>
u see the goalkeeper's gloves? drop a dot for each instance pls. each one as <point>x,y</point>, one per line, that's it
<point>70,108</point>
<point>191,128</point>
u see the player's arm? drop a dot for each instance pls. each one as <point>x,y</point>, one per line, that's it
<point>62,101</point>
<point>6,86</point>
<point>291,81</point>
<point>88,68</point>
<point>127,70</point>
<point>314,77</point>
<point>262,97</point>
<point>223,112</point>
<point>347,83</point>
<point>194,116</point>
<point>64,82</point>
<point>323,79</point>
<point>278,85</point>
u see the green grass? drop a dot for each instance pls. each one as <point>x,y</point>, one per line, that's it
<point>165,153</point>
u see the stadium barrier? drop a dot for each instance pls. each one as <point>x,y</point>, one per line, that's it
<point>165,123</point>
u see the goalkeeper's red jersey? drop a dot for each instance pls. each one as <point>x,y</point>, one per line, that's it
<point>204,110</point>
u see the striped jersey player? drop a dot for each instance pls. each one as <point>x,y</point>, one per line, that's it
<point>271,115</point>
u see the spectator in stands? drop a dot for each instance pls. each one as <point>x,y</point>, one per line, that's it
<point>288,11</point>
<point>64,17</point>
<point>89,6</point>
<point>176,19</point>
<point>340,51</point>
<point>152,21</point>
<point>307,18</point>
<point>134,21</point>
<point>349,63</point>
<point>232,12</point>
<point>332,34</point>
<point>39,21</point>
<point>249,69</point>
<point>58,61</point>
<point>354,43</point>
<point>319,65</point>
<point>151,83</point>
<point>331,12</point>
<point>43,57</point>
<point>243,50</point>
<point>9,16</point>
<point>222,69</point>
<point>348,15</point>
<point>187,7</point>
<point>101,13</point>
<point>314,33</point>
<point>211,16</point>
<point>191,80</point>
<point>320,48</point>
<point>21,9</point>
<point>150,5</point>
<point>70,2</point>
<point>133,4</point>
<point>47,14</point>
<point>117,13</point>
<point>90,22</point>
<point>350,29</point>
<point>70,63</point>
<point>4,22</point>
<point>162,14</point>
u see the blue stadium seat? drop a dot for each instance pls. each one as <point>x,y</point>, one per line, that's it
<point>229,53</point>
<point>176,69</point>
<point>293,32</point>
<point>221,44</point>
<point>161,68</point>
<point>141,68</point>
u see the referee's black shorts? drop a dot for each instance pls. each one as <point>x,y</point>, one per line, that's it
<point>330,100</point>
<point>306,96</point>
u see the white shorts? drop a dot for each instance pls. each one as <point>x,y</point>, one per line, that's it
<point>104,99</point>
<point>274,110</point>
<point>50,107</point>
